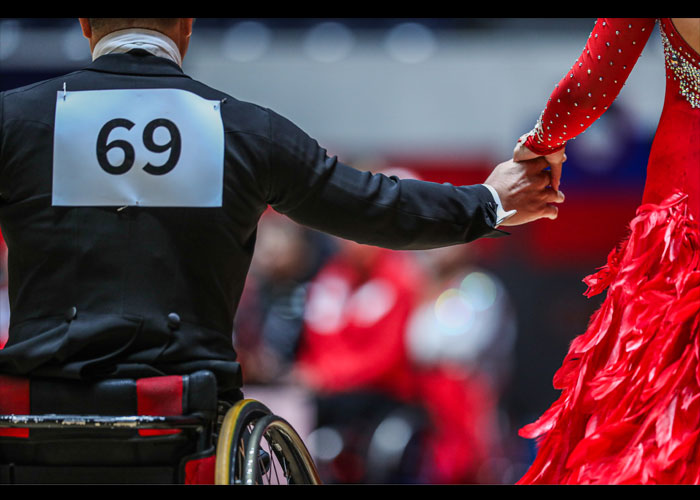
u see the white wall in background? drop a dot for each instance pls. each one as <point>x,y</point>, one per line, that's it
<point>473,92</point>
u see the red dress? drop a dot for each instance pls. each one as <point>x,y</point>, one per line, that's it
<point>629,409</point>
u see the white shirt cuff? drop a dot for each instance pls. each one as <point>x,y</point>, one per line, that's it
<point>501,215</point>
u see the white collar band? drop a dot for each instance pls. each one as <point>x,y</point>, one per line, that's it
<point>136,38</point>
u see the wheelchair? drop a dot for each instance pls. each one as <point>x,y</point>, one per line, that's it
<point>158,430</point>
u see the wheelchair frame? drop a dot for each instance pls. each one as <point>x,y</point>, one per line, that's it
<point>238,450</point>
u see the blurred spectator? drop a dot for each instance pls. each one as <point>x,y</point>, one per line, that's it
<point>353,356</point>
<point>356,318</point>
<point>270,317</point>
<point>465,317</point>
<point>461,338</point>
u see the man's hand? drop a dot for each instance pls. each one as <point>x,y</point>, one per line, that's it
<point>525,187</point>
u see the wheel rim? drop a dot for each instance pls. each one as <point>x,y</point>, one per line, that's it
<point>276,438</point>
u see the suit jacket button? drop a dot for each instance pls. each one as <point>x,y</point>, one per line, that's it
<point>71,313</point>
<point>173,321</point>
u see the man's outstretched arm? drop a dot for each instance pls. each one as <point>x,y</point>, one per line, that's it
<point>318,191</point>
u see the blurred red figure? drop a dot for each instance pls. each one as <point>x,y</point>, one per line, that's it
<point>461,339</point>
<point>355,340</point>
<point>356,317</point>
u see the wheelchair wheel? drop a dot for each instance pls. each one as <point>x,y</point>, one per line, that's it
<point>233,439</point>
<point>276,454</point>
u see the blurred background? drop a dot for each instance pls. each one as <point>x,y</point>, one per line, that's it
<point>408,367</point>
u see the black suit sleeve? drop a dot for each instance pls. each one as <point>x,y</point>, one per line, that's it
<point>320,192</point>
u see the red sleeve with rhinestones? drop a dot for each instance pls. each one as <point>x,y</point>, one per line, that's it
<point>592,84</point>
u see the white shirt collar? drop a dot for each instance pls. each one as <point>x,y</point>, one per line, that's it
<point>137,38</point>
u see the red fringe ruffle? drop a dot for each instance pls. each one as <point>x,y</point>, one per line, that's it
<point>629,411</point>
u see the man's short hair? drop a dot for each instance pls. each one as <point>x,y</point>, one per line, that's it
<point>109,24</point>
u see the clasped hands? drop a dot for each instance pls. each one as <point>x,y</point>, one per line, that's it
<point>526,185</point>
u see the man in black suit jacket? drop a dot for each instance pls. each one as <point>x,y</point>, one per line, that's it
<point>130,195</point>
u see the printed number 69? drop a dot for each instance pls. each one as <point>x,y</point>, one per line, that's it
<point>174,145</point>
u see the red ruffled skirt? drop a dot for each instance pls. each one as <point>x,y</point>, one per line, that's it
<point>629,410</point>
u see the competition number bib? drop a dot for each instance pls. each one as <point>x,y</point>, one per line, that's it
<point>137,147</point>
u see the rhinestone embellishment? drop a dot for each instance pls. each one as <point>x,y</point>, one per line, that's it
<point>685,69</point>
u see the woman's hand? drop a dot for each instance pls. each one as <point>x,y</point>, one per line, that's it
<point>554,160</point>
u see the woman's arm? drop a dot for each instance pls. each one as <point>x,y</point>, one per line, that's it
<point>587,89</point>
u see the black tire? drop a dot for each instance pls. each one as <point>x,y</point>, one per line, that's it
<point>276,454</point>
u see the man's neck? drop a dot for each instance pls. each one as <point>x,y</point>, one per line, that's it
<point>125,40</point>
